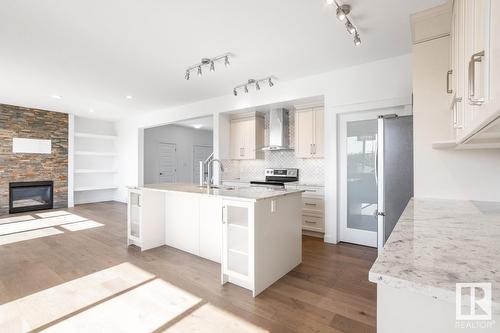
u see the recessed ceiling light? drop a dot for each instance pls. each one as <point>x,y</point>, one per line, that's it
<point>197,126</point>
<point>91,110</point>
<point>329,2</point>
<point>56,96</point>
<point>128,97</point>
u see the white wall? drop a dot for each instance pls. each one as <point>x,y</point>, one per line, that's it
<point>447,174</point>
<point>378,84</point>
<point>184,138</point>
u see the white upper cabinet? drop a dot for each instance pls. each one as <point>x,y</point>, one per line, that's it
<point>309,133</point>
<point>247,136</point>
<point>473,76</point>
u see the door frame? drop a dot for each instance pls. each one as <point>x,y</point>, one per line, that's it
<point>193,161</point>
<point>361,237</point>
<point>343,118</point>
<point>175,159</point>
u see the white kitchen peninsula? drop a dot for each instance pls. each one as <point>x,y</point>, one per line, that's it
<point>254,232</point>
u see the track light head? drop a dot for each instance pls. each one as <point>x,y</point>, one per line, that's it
<point>187,75</point>
<point>270,82</point>
<point>257,85</point>
<point>199,71</point>
<point>246,89</point>
<point>235,92</point>
<point>350,27</point>
<point>357,40</point>
<point>343,11</point>
<point>212,66</point>
<point>226,61</point>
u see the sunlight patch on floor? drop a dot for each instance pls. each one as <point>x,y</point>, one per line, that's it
<point>81,225</point>
<point>27,235</point>
<point>39,223</point>
<point>143,309</point>
<point>54,213</point>
<point>16,219</point>
<point>44,307</point>
<point>209,318</point>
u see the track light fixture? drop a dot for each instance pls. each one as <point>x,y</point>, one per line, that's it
<point>343,12</point>
<point>357,40</point>
<point>253,83</point>
<point>208,62</point>
<point>350,28</point>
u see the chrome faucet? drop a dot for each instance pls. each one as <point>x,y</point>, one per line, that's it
<point>210,172</point>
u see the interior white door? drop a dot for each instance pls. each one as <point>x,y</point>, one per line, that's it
<point>358,184</point>
<point>200,153</point>
<point>167,162</point>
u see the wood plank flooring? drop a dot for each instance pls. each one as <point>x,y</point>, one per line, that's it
<point>328,292</point>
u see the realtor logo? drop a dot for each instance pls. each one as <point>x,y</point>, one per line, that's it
<point>473,301</point>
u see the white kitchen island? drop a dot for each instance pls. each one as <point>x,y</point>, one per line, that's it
<point>254,233</point>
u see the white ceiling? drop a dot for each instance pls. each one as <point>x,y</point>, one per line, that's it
<point>202,123</point>
<point>93,53</point>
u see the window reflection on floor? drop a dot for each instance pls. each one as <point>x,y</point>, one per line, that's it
<point>26,227</point>
<point>123,298</point>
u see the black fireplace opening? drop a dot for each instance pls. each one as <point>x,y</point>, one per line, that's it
<point>29,196</point>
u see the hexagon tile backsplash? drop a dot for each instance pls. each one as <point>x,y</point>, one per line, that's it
<point>311,171</point>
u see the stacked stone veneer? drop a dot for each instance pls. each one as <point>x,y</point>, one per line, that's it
<point>33,124</point>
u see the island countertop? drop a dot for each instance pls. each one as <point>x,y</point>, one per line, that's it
<point>438,243</point>
<point>239,193</point>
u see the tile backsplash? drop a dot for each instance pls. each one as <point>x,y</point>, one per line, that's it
<point>311,171</point>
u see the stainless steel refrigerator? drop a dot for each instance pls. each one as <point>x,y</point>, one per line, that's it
<point>394,172</point>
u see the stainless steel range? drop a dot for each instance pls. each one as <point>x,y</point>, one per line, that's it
<point>277,178</point>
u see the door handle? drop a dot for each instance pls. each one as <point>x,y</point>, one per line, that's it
<point>448,75</point>
<point>475,58</point>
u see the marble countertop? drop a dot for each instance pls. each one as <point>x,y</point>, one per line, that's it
<point>239,193</point>
<point>438,243</point>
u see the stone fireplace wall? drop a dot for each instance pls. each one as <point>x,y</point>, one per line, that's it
<point>28,123</point>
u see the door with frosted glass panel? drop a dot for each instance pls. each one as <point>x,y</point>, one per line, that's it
<point>358,179</point>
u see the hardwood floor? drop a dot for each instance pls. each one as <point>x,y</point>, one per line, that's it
<point>328,292</point>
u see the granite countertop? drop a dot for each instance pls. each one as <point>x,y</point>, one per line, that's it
<point>438,243</point>
<point>239,193</point>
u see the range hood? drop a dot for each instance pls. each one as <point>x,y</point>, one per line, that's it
<point>278,131</point>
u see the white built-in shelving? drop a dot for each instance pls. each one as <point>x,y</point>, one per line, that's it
<point>95,154</point>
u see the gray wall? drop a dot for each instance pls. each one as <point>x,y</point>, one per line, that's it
<point>184,138</point>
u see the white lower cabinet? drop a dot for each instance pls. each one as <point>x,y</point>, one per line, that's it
<point>210,228</point>
<point>313,209</point>
<point>182,221</point>
<point>237,242</point>
<point>193,224</point>
<point>145,226</point>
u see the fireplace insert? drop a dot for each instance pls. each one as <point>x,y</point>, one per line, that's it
<point>29,196</point>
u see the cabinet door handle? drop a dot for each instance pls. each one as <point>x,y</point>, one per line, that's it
<point>310,204</point>
<point>448,75</point>
<point>310,222</point>
<point>475,58</point>
<point>241,152</point>
<point>311,148</point>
